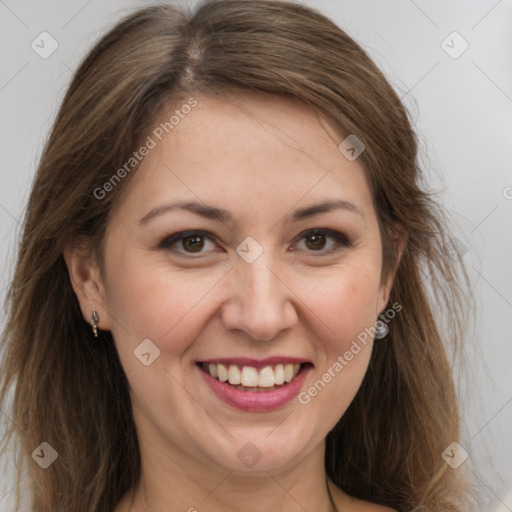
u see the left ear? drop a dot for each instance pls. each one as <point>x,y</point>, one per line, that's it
<point>399,237</point>
<point>86,281</point>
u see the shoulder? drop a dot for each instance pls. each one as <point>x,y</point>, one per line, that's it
<point>345,502</point>
<point>366,506</point>
<point>373,507</point>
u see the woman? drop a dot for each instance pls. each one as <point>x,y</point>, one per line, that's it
<point>224,295</point>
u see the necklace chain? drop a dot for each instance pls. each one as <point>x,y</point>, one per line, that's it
<point>334,507</point>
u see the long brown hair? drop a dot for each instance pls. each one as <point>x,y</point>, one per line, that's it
<point>73,394</point>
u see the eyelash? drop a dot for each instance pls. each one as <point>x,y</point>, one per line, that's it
<point>342,241</point>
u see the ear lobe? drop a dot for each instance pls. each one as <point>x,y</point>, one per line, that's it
<point>87,284</point>
<point>399,239</point>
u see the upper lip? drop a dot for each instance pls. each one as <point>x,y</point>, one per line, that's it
<point>256,363</point>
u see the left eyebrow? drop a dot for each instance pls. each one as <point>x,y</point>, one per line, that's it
<point>203,210</point>
<point>327,206</point>
<point>218,214</point>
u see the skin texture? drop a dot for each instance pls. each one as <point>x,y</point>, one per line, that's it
<point>260,158</point>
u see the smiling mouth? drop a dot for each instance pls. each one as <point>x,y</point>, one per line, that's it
<point>249,378</point>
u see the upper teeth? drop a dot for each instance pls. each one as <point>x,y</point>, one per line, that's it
<point>250,377</point>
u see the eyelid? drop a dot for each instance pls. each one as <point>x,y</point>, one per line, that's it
<point>340,238</point>
<point>180,235</point>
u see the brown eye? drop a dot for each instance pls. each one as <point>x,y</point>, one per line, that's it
<point>324,241</point>
<point>188,242</point>
<point>315,242</point>
<point>193,243</point>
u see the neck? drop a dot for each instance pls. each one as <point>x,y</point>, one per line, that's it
<point>172,482</point>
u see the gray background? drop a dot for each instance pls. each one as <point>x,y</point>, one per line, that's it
<point>462,107</point>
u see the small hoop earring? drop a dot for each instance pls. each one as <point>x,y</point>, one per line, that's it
<point>95,319</point>
<point>381,330</point>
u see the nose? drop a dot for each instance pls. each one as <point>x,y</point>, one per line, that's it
<point>261,304</point>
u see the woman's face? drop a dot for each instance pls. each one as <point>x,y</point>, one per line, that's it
<point>253,286</point>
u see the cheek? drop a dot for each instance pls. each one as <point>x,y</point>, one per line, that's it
<point>341,310</point>
<point>172,307</point>
<point>153,302</point>
<point>344,304</point>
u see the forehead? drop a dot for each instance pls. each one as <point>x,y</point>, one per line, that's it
<point>245,148</point>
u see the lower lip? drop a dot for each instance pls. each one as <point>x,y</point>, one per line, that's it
<point>261,401</point>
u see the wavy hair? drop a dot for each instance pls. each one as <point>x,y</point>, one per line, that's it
<point>73,394</point>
